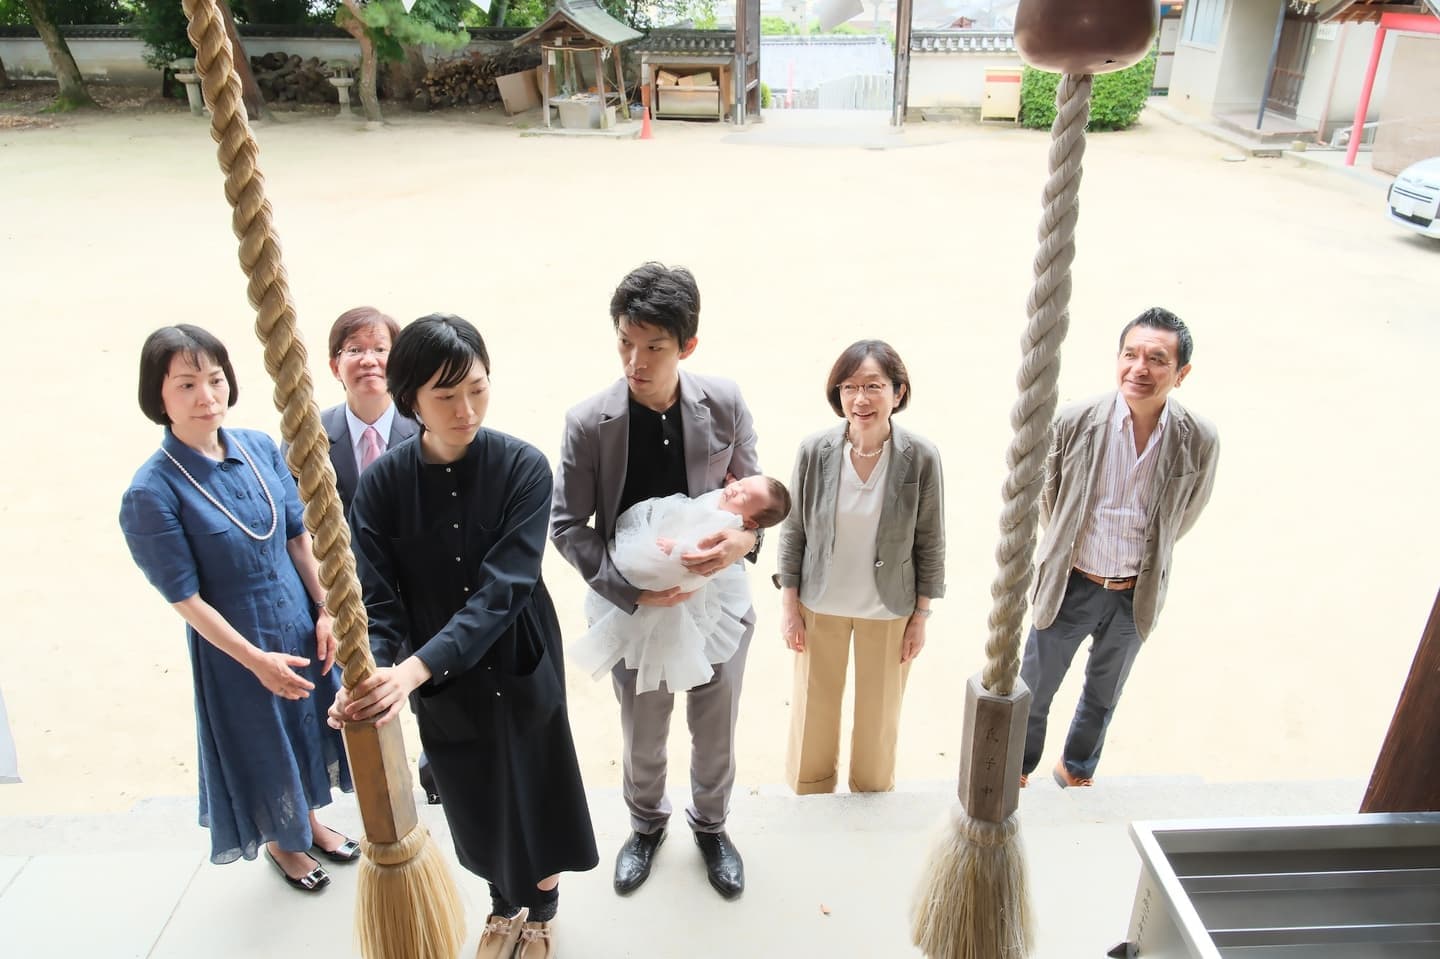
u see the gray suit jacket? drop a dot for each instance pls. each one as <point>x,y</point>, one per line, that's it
<point>1184,478</point>
<point>342,453</point>
<point>590,477</point>
<point>909,555</point>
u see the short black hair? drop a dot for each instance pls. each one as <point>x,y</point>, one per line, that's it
<point>657,295</point>
<point>858,352</point>
<point>440,342</point>
<point>1162,319</point>
<point>160,348</point>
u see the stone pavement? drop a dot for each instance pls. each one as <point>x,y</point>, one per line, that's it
<point>828,876</point>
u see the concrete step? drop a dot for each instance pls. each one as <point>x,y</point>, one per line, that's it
<point>826,876</point>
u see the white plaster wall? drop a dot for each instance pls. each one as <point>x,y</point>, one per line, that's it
<point>1342,60</point>
<point>1192,79</point>
<point>1249,38</point>
<point>951,79</point>
<point>114,59</point>
<point>122,60</point>
<point>1195,72</point>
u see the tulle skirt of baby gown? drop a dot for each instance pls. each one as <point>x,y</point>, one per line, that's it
<point>672,645</point>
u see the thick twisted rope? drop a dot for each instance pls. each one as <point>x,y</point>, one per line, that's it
<point>285,356</point>
<point>1048,307</point>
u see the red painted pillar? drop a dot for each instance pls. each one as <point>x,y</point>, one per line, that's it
<point>1363,107</point>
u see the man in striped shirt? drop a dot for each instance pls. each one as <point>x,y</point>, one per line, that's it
<point>1127,475</point>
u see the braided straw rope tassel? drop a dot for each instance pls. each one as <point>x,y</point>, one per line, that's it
<point>974,900</point>
<point>407,904</point>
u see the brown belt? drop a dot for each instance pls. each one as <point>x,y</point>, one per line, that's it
<point>1104,583</point>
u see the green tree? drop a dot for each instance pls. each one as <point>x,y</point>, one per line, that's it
<point>772,26</point>
<point>644,14</point>
<point>385,32</point>
<point>72,94</point>
<point>162,25</point>
<point>64,12</point>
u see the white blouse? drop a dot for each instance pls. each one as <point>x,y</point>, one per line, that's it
<point>850,587</point>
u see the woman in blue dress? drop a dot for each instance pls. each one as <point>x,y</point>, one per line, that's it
<point>213,519</point>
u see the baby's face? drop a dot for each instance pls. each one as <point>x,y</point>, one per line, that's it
<point>745,498</point>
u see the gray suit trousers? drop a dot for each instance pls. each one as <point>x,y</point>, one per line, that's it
<point>711,711</point>
<point>1107,618</point>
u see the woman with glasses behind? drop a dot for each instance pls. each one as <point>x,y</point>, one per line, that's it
<point>862,554</point>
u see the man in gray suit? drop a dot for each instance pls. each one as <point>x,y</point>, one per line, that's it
<point>658,432</point>
<point>1127,475</point>
<point>366,424</point>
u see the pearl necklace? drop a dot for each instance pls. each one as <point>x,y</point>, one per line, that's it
<point>274,513</point>
<point>866,456</point>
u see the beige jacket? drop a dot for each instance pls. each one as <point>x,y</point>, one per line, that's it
<point>909,555</point>
<point>1184,478</point>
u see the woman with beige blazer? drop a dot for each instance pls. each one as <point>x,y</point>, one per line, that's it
<point>862,554</point>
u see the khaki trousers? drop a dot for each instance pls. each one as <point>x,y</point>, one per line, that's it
<point>813,759</point>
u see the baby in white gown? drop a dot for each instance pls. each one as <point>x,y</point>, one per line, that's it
<point>677,645</point>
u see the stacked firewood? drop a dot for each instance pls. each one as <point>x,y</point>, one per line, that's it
<point>470,80</point>
<point>288,78</point>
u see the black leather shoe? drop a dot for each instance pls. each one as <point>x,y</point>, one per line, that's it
<point>632,864</point>
<point>722,863</point>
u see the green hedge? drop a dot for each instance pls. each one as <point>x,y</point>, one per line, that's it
<point>1115,102</point>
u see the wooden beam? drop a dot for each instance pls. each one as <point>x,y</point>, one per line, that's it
<point>1406,777</point>
<point>903,14</point>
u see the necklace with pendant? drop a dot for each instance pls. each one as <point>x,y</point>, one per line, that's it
<point>274,513</point>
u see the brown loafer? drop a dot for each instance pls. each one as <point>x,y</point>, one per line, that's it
<point>1065,780</point>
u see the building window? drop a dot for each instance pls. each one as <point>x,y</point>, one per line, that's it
<point>1202,22</point>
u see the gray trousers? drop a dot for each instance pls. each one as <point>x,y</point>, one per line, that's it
<point>711,711</point>
<point>1087,611</point>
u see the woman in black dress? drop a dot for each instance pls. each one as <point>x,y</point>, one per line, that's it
<point>450,529</point>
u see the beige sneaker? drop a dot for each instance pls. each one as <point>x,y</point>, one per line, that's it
<point>500,935</point>
<point>537,941</point>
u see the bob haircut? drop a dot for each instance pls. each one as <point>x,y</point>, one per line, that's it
<point>858,352</point>
<point>358,320</point>
<point>666,298</point>
<point>161,347</point>
<point>439,343</point>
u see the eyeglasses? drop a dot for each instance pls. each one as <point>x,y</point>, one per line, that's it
<point>355,352</point>
<point>872,390</point>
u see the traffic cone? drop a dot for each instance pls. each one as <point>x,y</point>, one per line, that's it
<point>645,133</point>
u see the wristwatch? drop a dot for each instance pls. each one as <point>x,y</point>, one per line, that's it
<point>754,554</point>
<point>923,613</point>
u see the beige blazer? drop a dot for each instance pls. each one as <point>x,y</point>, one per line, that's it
<point>909,555</point>
<point>590,477</point>
<point>1183,480</point>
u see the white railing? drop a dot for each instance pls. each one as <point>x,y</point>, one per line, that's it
<point>873,91</point>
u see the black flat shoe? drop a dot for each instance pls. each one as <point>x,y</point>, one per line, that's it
<point>632,864</point>
<point>723,865</point>
<point>313,881</point>
<point>347,851</point>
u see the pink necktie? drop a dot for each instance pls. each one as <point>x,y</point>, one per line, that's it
<point>370,448</point>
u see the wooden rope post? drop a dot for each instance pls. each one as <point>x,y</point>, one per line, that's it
<point>974,897</point>
<point>407,904</point>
